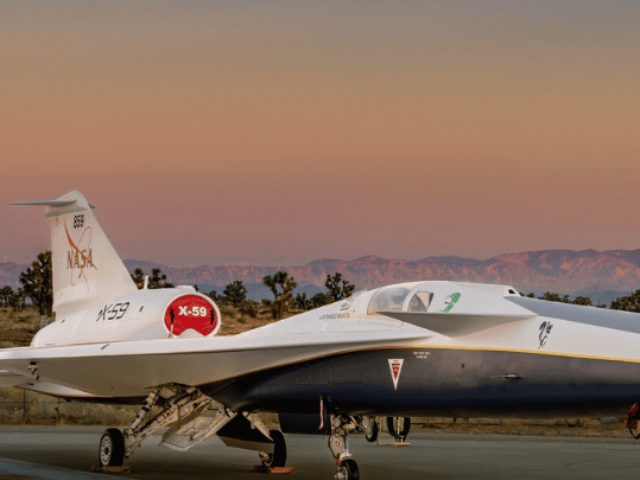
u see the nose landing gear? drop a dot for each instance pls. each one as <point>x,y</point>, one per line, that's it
<point>347,468</point>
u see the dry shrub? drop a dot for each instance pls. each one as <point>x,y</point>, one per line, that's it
<point>22,407</point>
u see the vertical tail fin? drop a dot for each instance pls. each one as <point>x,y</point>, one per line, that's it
<point>86,268</point>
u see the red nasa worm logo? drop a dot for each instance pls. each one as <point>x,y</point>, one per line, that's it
<point>190,311</point>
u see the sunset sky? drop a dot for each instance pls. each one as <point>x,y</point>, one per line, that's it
<point>287,131</point>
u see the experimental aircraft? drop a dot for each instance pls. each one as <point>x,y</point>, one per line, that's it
<point>428,348</point>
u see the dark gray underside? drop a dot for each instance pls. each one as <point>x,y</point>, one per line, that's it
<point>441,382</point>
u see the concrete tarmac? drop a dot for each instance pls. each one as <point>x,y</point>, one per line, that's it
<point>68,453</point>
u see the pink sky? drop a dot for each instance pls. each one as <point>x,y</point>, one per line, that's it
<point>289,131</point>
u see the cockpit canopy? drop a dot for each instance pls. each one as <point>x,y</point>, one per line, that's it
<point>397,298</point>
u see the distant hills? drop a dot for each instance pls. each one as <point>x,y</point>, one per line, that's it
<point>10,273</point>
<point>601,275</point>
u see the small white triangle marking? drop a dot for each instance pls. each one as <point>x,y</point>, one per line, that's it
<point>395,365</point>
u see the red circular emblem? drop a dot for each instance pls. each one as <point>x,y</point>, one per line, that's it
<point>191,311</point>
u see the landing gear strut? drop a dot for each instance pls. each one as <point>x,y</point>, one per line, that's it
<point>371,429</point>
<point>399,427</point>
<point>341,425</point>
<point>278,458</point>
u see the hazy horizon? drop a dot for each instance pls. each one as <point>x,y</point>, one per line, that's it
<point>4,259</point>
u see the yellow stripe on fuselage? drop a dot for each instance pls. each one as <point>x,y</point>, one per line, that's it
<point>508,350</point>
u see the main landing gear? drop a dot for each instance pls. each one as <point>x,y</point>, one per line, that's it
<point>398,428</point>
<point>186,404</point>
<point>190,418</point>
<point>111,448</point>
<point>277,458</point>
<point>371,428</point>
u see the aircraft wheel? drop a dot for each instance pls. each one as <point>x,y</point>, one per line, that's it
<point>111,452</point>
<point>279,456</point>
<point>349,470</point>
<point>399,427</point>
<point>371,429</point>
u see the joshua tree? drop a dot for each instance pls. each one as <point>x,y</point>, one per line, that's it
<point>338,288</point>
<point>235,293</point>
<point>5,294</point>
<point>283,297</point>
<point>37,283</point>
<point>156,280</point>
<point>630,303</point>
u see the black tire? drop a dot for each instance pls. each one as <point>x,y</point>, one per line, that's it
<point>371,434</point>
<point>353,473</point>
<point>401,435</point>
<point>279,456</point>
<point>111,451</point>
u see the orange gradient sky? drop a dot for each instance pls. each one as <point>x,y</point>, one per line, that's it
<point>268,132</point>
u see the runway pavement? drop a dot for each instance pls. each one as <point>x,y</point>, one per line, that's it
<point>69,452</point>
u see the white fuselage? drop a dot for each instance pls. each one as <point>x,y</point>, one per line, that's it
<point>126,366</point>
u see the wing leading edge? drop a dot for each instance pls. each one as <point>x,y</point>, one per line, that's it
<point>126,369</point>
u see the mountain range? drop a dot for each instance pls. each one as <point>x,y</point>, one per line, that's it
<point>601,275</point>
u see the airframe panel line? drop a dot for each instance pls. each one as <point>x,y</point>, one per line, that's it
<point>38,470</point>
<point>506,350</point>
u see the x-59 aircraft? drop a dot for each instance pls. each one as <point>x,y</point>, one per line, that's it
<point>431,348</point>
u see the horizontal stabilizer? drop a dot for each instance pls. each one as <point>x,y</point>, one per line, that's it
<point>47,203</point>
<point>50,203</point>
<point>454,325</point>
